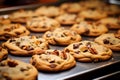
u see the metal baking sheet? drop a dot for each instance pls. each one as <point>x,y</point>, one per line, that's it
<point>78,70</point>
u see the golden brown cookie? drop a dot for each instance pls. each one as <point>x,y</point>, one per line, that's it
<point>61,36</point>
<point>42,24</point>
<point>109,40</point>
<point>111,22</point>
<point>3,53</point>
<point>92,14</point>
<point>53,61</point>
<point>71,7</point>
<point>89,29</point>
<point>26,45</point>
<point>110,9</point>
<point>8,31</point>
<point>68,19</point>
<point>49,11</point>
<point>88,51</point>
<point>17,70</point>
<point>92,4</point>
<point>21,16</point>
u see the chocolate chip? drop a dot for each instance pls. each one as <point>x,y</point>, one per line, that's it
<point>7,36</point>
<point>105,41</point>
<point>12,40</point>
<point>18,43</point>
<point>62,35</point>
<point>33,63</point>
<point>67,50</point>
<point>12,63</point>
<point>52,61</point>
<point>75,46</point>
<point>18,33</point>
<point>53,65</point>
<point>24,31</point>
<point>77,52</point>
<point>85,50</point>
<point>23,47</point>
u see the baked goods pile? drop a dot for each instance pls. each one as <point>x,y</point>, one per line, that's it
<point>33,33</point>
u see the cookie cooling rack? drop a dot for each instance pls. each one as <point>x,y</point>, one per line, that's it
<point>81,71</point>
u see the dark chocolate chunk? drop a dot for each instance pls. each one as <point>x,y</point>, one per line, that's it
<point>85,50</point>
<point>33,63</point>
<point>77,52</point>
<point>18,43</point>
<point>105,41</point>
<point>7,36</point>
<point>12,40</point>
<point>75,46</point>
<point>18,33</point>
<point>52,61</point>
<point>12,63</point>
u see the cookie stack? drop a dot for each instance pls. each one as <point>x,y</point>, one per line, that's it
<point>82,29</point>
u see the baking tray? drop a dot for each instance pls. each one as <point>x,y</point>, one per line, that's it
<point>81,71</point>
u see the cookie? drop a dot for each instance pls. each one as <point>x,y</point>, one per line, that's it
<point>88,51</point>
<point>26,45</point>
<point>21,16</point>
<point>17,70</point>
<point>49,11</point>
<point>12,30</point>
<point>110,40</point>
<point>111,22</point>
<point>71,7</point>
<point>92,4</point>
<point>110,9</point>
<point>53,61</point>
<point>92,14</point>
<point>68,19</point>
<point>61,36</point>
<point>89,29</point>
<point>3,53</point>
<point>42,24</point>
